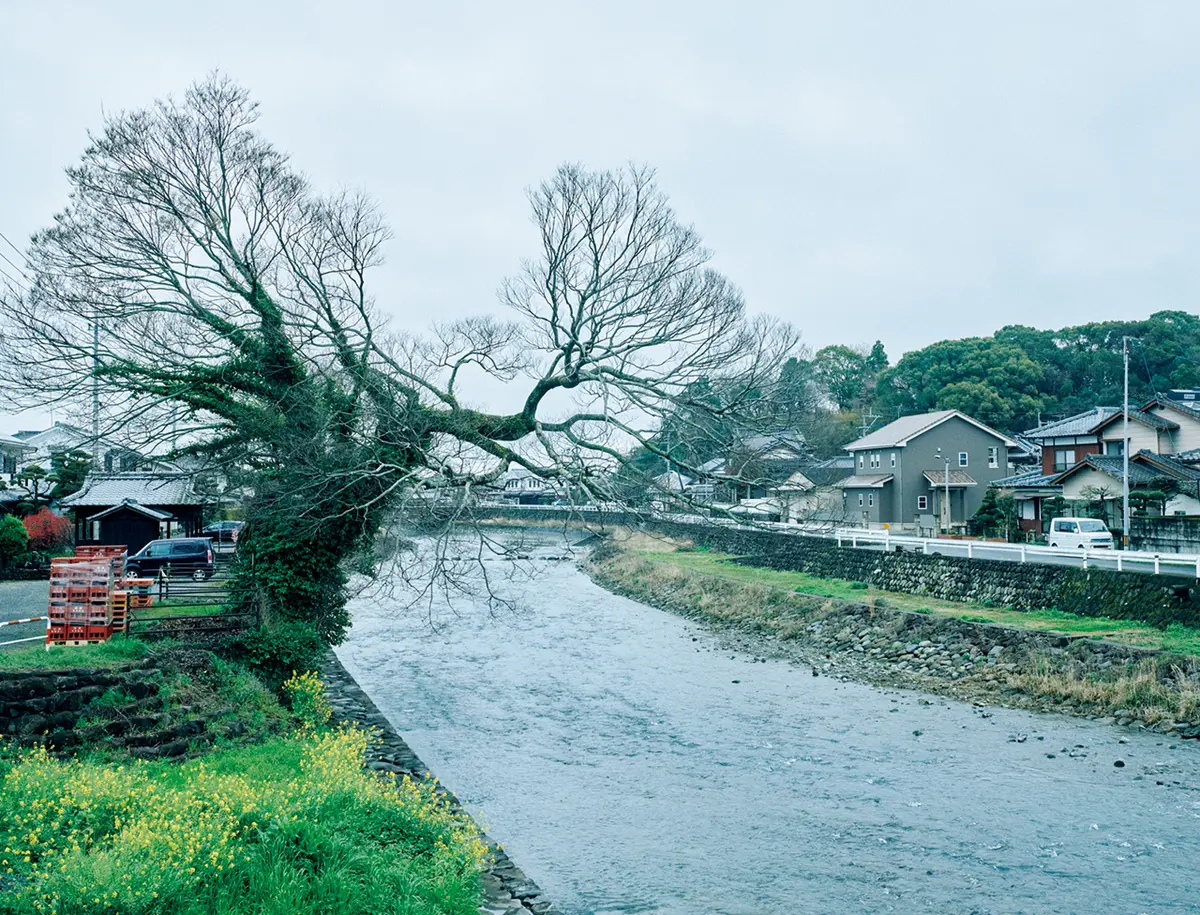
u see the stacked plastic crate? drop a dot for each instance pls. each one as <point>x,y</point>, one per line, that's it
<point>82,589</point>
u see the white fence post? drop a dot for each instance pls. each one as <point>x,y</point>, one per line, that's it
<point>1085,558</point>
<point>1119,558</point>
<point>925,547</point>
<point>839,537</point>
<point>968,550</point>
<point>1198,566</point>
<point>1022,552</point>
<point>854,540</point>
<point>1156,563</point>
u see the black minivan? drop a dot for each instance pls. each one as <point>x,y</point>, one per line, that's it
<point>191,556</point>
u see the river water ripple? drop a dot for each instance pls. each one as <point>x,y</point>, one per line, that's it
<point>629,764</point>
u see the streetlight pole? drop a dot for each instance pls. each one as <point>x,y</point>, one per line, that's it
<point>947,518</point>
<point>1125,450</point>
<point>949,514</point>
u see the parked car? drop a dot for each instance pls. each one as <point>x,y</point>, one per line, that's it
<point>1084,533</point>
<point>224,531</point>
<point>192,556</point>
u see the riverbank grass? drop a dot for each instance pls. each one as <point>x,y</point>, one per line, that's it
<point>267,824</point>
<point>36,656</point>
<point>1176,638</point>
<point>863,626</point>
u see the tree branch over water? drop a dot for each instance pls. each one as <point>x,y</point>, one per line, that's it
<point>236,320</point>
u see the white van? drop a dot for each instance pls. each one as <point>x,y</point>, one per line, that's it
<point>1084,533</point>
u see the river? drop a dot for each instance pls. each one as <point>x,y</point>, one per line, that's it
<point>632,764</point>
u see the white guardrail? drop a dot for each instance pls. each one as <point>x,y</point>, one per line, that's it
<point>1175,564</point>
<point>1118,560</point>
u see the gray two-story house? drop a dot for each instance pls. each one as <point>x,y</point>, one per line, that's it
<point>902,471</point>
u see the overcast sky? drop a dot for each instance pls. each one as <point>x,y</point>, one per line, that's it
<point>903,171</point>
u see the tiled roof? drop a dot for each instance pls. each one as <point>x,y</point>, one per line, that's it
<point>958,478</point>
<point>134,507</point>
<point>1033,479</point>
<point>826,473</point>
<point>1170,463</point>
<point>105,489</point>
<point>1112,465</point>
<point>901,431</point>
<point>1079,424</point>
<point>1146,419</point>
<point>1145,468</point>
<point>1189,457</point>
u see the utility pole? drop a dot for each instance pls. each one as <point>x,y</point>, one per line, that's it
<point>1125,450</point>
<point>95,392</point>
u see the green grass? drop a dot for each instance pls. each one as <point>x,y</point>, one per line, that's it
<point>108,654</point>
<point>294,826</point>
<point>1175,638</point>
<point>178,606</point>
<point>271,824</point>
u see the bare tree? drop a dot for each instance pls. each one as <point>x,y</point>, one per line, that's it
<point>207,296</point>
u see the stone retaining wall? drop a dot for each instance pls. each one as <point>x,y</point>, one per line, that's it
<point>1155,599</point>
<point>507,891</point>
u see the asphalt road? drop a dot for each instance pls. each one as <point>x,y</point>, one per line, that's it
<point>20,599</point>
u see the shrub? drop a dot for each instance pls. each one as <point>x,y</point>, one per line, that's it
<point>47,531</point>
<point>278,650</point>
<point>14,541</point>
<point>858,586</point>
<point>306,695</point>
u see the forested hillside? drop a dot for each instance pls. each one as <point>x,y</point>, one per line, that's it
<point>1006,380</point>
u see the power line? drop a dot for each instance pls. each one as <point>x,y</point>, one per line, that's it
<point>14,247</point>
<point>14,266</point>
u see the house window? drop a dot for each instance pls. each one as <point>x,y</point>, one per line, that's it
<point>1117,448</point>
<point>1064,458</point>
<point>993,457</point>
<point>860,462</point>
<point>922,503</point>
<point>893,462</point>
<point>860,500</point>
<point>962,459</point>
<point>871,499</point>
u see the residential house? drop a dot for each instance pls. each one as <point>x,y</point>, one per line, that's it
<point>812,495</point>
<point>1061,444</point>
<point>758,463</point>
<point>1097,482</point>
<point>524,487</point>
<point>1031,490</point>
<point>901,472</point>
<point>131,509</point>
<point>12,456</point>
<point>60,438</point>
<point>1067,441</point>
<point>12,453</point>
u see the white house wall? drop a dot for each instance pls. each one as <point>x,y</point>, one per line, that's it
<point>1074,485</point>
<point>1140,437</point>
<point>1183,504</point>
<point>1187,436</point>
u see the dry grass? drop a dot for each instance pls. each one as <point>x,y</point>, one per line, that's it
<point>1151,689</point>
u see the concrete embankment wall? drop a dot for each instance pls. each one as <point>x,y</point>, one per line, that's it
<point>1165,535</point>
<point>1155,599</point>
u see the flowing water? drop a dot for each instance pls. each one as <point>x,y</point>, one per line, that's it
<point>630,764</point>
